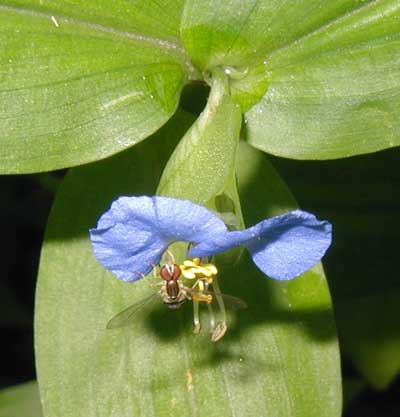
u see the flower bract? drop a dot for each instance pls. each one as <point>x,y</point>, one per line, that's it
<point>132,236</point>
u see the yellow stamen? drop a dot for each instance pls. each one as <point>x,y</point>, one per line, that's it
<point>202,298</point>
<point>192,269</point>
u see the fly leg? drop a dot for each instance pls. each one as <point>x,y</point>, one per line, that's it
<point>222,326</point>
<point>196,317</point>
<point>155,281</point>
<point>198,297</point>
<point>204,287</point>
<point>204,274</point>
<point>201,297</point>
<point>212,317</point>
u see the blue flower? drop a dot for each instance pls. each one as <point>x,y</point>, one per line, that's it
<point>132,236</point>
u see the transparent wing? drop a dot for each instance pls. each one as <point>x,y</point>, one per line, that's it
<point>232,302</point>
<point>124,318</point>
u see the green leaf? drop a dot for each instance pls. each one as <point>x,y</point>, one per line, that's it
<point>249,85</point>
<point>20,401</point>
<point>238,33</point>
<point>369,334</point>
<point>334,92</point>
<point>202,167</point>
<point>157,367</point>
<point>299,331</point>
<point>226,34</point>
<point>360,197</point>
<point>81,82</point>
<point>204,161</point>
<point>78,361</point>
<point>332,67</point>
<point>140,17</point>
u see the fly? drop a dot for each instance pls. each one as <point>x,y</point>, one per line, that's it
<point>174,293</point>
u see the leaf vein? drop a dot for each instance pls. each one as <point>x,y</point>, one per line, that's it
<point>164,43</point>
<point>324,27</point>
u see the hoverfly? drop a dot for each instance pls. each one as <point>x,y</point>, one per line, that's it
<point>174,293</point>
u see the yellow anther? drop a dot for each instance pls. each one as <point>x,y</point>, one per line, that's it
<point>212,268</point>
<point>208,269</point>
<point>194,269</point>
<point>187,273</point>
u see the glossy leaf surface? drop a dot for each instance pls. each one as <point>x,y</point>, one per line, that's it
<point>332,67</point>
<point>204,162</point>
<point>335,92</point>
<point>81,82</point>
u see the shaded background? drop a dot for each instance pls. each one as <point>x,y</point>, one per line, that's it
<point>359,195</point>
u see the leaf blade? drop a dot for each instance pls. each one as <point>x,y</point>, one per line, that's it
<point>80,92</point>
<point>331,68</point>
<point>157,367</point>
<point>207,148</point>
<point>330,94</point>
<point>141,16</point>
<point>303,328</point>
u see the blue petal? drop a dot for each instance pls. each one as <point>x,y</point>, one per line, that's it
<point>283,247</point>
<point>132,236</point>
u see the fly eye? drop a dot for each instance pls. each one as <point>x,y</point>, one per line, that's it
<point>176,272</point>
<point>165,273</point>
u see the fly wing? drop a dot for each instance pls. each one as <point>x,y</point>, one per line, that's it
<point>232,302</point>
<point>125,317</point>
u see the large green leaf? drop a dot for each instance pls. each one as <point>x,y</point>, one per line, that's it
<point>278,358</point>
<point>360,197</point>
<point>140,17</point>
<point>20,401</point>
<point>333,70</point>
<point>78,361</point>
<point>299,331</point>
<point>81,82</point>
<point>238,33</point>
<point>335,92</point>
